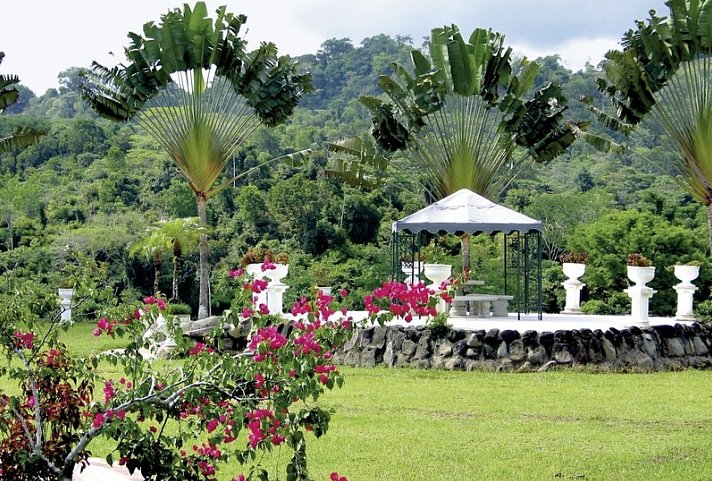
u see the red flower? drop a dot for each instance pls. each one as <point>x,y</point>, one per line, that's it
<point>109,392</point>
<point>24,340</point>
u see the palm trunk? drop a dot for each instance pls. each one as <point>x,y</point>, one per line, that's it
<point>203,300</point>
<point>465,248</point>
<point>709,225</point>
<point>176,272</point>
<point>156,273</point>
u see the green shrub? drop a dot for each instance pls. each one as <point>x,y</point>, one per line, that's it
<point>616,304</point>
<point>178,309</point>
<point>703,310</point>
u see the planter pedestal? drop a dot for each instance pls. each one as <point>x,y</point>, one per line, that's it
<point>685,291</point>
<point>573,286</point>
<point>275,297</point>
<point>640,300</point>
<point>66,303</point>
<point>437,274</point>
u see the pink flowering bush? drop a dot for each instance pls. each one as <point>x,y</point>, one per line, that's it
<point>238,404</point>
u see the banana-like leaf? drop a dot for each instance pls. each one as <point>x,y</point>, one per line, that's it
<point>21,138</point>
<point>479,71</point>
<point>355,162</point>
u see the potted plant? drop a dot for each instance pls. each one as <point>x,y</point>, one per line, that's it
<point>640,268</point>
<point>180,311</point>
<point>255,257</point>
<point>573,264</point>
<point>322,276</point>
<point>435,268</point>
<point>412,266</point>
<point>687,272</point>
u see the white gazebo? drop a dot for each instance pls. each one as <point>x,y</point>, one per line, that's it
<point>465,212</point>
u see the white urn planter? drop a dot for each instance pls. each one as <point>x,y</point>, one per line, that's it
<point>686,273</point>
<point>279,272</point>
<point>276,288</point>
<point>325,291</point>
<point>573,270</point>
<point>255,270</point>
<point>639,293</point>
<point>641,275</point>
<point>66,295</point>
<point>685,291</point>
<point>412,271</point>
<point>437,273</point>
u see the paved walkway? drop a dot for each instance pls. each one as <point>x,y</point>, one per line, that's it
<point>549,322</point>
<point>99,470</point>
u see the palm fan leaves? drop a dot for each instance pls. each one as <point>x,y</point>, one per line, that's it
<point>23,136</point>
<point>683,108</point>
<point>201,95</point>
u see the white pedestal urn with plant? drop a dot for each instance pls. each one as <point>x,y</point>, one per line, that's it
<point>255,270</point>
<point>685,290</point>
<point>412,271</point>
<point>640,271</point>
<point>574,266</point>
<point>66,294</point>
<point>276,288</point>
<point>437,274</point>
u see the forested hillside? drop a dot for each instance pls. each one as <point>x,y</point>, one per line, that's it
<point>103,188</point>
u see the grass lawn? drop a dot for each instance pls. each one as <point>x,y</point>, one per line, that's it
<point>404,424</point>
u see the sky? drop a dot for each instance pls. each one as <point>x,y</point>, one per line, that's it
<point>41,38</point>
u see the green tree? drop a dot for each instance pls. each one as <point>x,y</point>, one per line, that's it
<point>183,236</point>
<point>224,93</point>
<point>610,239</point>
<point>152,247</point>
<point>463,113</point>
<point>663,75</point>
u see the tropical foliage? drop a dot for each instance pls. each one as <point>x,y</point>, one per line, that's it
<point>23,136</point>
<point>209,94</point>
<point>662,76</point>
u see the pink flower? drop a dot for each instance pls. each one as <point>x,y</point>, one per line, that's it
<point>323,378</point>
<point>343,292</point>
<point>236,273</point>
<point>99,419</point>
<point>109,392</point>
<point>198,348</point>
<point>212,424</point>
<point>239,478</point>
<point>24,340</point>
<point>335,477</point>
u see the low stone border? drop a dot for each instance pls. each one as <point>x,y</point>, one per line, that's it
<point>657,348</point>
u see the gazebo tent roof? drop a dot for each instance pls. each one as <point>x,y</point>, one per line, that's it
<point>466,212</point>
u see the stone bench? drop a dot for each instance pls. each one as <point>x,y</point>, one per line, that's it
<point>480,305</point>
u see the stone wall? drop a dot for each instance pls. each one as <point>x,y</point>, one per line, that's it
<point>633,349</point>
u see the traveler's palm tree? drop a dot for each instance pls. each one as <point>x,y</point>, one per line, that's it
<point>663,76</point>
<point>463,118</point>
<point>23,136</point>
<point>223,94</point>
